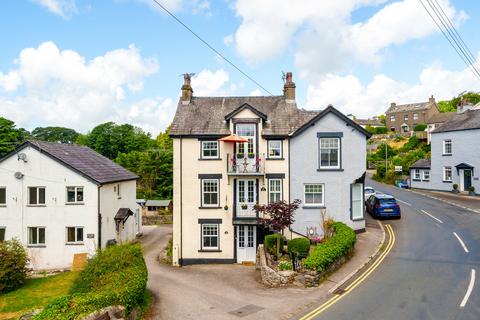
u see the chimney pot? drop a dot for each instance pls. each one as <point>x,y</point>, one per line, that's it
<point>187,91</point>
<point>431,99</point>
<point>393,104</point>
<point>289,88</point>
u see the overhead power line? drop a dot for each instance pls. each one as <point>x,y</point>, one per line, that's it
<point>454,43</point>
<point>211,47</point>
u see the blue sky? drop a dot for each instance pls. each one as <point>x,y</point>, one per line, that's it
<point>80,63</point>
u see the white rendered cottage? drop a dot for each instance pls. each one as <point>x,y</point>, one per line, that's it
<point>63,199</point>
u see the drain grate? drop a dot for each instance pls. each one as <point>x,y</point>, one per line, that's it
<point>246,310</point>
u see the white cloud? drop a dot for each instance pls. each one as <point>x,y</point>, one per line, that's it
<point>211,83</point>
<point>349,95</point>
<point>63,8</point>
<point>228,40</point>
<point>59,87</point>
<point>321,35</point>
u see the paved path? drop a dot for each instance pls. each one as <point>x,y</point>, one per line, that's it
<point>428,274</point>
<point>233,291</point>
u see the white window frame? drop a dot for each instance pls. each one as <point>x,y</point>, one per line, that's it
<point>426,175</point>
<point>76,189</point>
<point>204,148</point>
<point>322,185</point>
<point>37,243</point>
<point>279,148</point>
<point>416,174</point>
<point>275,188</point>
<point>217,181</point>
<point>405,117</point>
<point>330,160</point>
<point>449,142</point>
<point>76,241</point>
<point>217,235</point>
<point>445,169</point>
<point>392,118</point>
<point>4,229</point>
<point>38,196</point>
<point>359,201</point>
<point>4,204</point>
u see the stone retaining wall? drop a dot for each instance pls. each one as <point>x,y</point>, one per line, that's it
<point>270,277</point>
<point>156,220</point>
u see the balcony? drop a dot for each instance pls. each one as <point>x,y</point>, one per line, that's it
<point>245,211</point>
<point>246,165</point>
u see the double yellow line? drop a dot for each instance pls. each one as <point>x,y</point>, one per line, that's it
<point>357,281</point>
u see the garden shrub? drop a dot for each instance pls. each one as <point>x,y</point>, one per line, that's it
<point>285,265</point>
<point>115,276</point>
<point>327,253</point>
<point>420,127</point>
<point>299,246</point>
<point>271,242</point>
<point>13,265</point>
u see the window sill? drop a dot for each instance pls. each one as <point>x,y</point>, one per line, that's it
<point>416,180</point>
<point>74,243</point>
<point>446,154</point>
<point>330,169</point>
<point>208,250</point>
<point>36,246</point>
<point>425,180</point>
<point>209,159</point>
<point>3,205</point>
<point>36,205</point>
<point>358,219</point>
<point>274,158</point>
<point>447,181</point>
<point>314,207</point>
<point>74,203</point>
<point>210,207</point>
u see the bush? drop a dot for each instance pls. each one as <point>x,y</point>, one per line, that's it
<point>115,276</point>
<point>327,253</point>
<point>13,265</point>
<point>299,247</point>
<point>455,186</point>
<point>271,241</point>
<point>285,265</point>
<point>471,189</point>
<point>420,127</point>
<point>381,130</point>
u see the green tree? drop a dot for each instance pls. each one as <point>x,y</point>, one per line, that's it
<point>55,134</point>
<point>164,141</point>
<point>10,136</point>
<point>451,105</point>
<point>420,127</point>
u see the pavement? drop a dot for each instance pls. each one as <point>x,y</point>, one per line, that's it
<point>428,272</point>
<point>234,291</point>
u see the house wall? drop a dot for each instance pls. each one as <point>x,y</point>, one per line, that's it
<point>303,169</point>
<point>55,216</point>
<point>465,149</point>
<point>423,116</point>
<point>110,202</point>
<point>422,183</point>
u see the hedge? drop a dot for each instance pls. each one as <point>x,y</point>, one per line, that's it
<point>271,241</point>
<point>299,247</point>
<point>115,276</point>
<point>327,253</point>
<point>13,265</point>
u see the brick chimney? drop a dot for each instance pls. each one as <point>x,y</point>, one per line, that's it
<point>393,105</point>
<point>289,88</point>
<point>187,91</point>
<point>431,99</point>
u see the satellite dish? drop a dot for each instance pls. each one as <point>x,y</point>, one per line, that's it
<point>18,175</point>
<point>22,156</point>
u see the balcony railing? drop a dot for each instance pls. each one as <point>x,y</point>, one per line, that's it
<point>245,211</point>
<point>246,164</point>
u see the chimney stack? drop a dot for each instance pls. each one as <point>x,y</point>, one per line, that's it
<point>393,104</point>
<point>289,88</point>
<point>431,99</point>
<point>187,91</point>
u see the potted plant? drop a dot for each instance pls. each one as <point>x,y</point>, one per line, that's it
<point>251,155</point>
<point>455,188</point>
<point>239,155</point>
<point>225,207</point>
<point>244,206</point>
<point>471,191</point>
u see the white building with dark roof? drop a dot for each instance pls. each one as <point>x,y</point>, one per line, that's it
<point>64,201</point>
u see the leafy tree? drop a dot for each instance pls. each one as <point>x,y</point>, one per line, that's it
<point>451,105</point>
<point>420,127</point>
<point>10,136</point>
<point>55,134</point>
<point>164,141</point>
<point>278,215</point>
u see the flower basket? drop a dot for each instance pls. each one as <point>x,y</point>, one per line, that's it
<point>251,155</point>
<point>244,206</point>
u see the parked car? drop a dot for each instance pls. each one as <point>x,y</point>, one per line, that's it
<point>383,206</point>
<point>402,184</point>
<point>368,192</point>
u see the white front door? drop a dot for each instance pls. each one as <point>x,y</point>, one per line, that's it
<point>246,197</point>
<point>246,243</point>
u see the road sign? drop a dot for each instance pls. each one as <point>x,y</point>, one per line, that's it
<point>398,168</point>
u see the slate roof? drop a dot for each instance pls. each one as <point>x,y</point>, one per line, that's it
<point>206,115</point>
<point>441,117</point>
<point>81,159</point>
<point>158,203</point>
<point>419,106</point>
<point>467,120</point>
<point>421,164</point>
<point>123,214</point>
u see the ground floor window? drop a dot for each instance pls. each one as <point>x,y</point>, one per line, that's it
<point>314,195</point>
<point>2,233</point>
<point>74,235</point>
<point>426,175</point>
<point>36,236</point>
<point>210,237</point>
<point>357,201</point>
<point>416,174</point>
<point>447,173</point>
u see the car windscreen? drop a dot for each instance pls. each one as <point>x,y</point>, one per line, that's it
<point>388,201</point>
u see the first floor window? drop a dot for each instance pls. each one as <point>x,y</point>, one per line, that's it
<point>329,152</point>
<point>426,175</point>
<point>74,234</point>
<point>274,190</point>
<point>36,236</point>
<point>3,195</point>
<point>210,193</point>
<point>447,173</point>
<point>447,147</point>
<point>416,174</point>
<point>415,116</point>
<point>357,204</point>
<point>392,118</point>
<point>405,117</point>
<point>74,194</point>
<point>275,149</point>
<point>2,233</point>
<point>314,194</point>
<point>36,195</point>
<point>209,236</point>
<point>209,149</point>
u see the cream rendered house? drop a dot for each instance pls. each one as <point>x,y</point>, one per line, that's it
<point>217,183</point>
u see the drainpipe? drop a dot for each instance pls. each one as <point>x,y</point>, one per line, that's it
<point>181,205</point>
<point>99,217</point>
